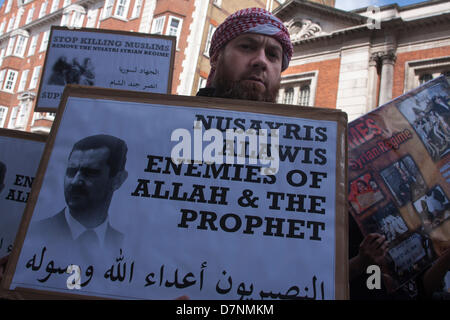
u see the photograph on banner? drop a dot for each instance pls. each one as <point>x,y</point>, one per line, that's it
<point>107,59</point>
<point>399,156</point>
<point>19,160</point>
<point>175,204</point>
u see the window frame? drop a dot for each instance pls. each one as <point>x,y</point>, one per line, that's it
<point>30,15</point>
<point>20,45</point>
<point>414,69</point>
<point>33,45</point>
<point>11,24</point>
<point>43,9</point>
<point>179,28</point>
<point>8,6</point>
<point>2,27</point>
<point>23,80</point>
<point>161,20</point>
<point>44,42</point>
<point>298,81</point>
<point>55,5</point>
<point>137,8</point>
<point>35,78</point>
<point>125,6</point>
<point>2,77</point>
<point>13,117</point>
<point>211,29</point>
<point>3,114</point>
<point>10,46</point>
<point>108,9</point>
<point>10,84</point>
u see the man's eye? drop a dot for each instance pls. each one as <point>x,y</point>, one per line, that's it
<point>273,55</point>
<point>91,172</point>
<point>70,172</point>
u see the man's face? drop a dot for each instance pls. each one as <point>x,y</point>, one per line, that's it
<point>249,67</point>
<point>87,183</point>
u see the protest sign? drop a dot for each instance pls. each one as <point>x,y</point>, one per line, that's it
<point>19,160</point>
<point>259,218</point>
<point>399,178</point>
<point>104,58</point>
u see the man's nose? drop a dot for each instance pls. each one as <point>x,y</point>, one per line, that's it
<point>78,178</point>
<point>259,59</point>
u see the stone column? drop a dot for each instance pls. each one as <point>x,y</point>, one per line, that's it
<point>372,82</point>
<point>387,76</point>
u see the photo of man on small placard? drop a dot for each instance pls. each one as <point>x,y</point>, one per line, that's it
<point>72,72</point>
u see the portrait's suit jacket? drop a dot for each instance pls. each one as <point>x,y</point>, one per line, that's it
<point>55,230</point>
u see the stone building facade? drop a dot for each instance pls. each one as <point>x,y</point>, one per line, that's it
<point>361,59</point>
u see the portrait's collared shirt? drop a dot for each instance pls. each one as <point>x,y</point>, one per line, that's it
<point>77,228</point>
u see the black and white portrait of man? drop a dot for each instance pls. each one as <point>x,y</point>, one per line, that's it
<point>95,170</point>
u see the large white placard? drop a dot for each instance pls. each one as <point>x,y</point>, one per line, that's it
<point>208,231</point>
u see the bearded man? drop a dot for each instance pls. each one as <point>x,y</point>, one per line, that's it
<point>248,52</point>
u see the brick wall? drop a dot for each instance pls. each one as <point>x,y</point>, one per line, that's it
<point>327,80</point>
<point>403,58</point>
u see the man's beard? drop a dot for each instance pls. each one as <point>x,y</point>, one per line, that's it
<point>242,89</point>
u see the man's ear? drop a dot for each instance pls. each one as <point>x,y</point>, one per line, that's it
<point>119,179</point>
<point>214,59</point>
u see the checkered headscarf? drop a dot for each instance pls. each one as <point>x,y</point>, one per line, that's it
<point>250,20</point>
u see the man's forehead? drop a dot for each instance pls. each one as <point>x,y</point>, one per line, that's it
<point>97,155</point>
<point>259,38</point>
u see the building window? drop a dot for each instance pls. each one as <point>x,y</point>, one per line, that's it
<point>108,8</point>
<point>201,83</point>
<point>425,78</point>
<point>91,17</point>
<point>10,24</point>
<point>13,118</point>
<point>66,3</point>
<point>174,28</point>
<point>55,5</point>
<point>43,9</point>
<point>211,31</point>
<point>22,116</point>
<point>10,47</point>
<point>303,98</point>
<point>158,25</point>
<point>35,77</point>
<point>418,72</point>
<point>44,42</point>
<point>64,19</point>
<point>77,19</point>
<point>30,15</point>
<point>298,89</point>
<point>137,9</point>
<point>10,81</point>
<point>2,77</point>
<point>288,96</point>
<point>3,113</point>
<point>23,80</point>
<point>217,3</point>
<point>21,44</point>
<point>122,9</point>
<point>33,44</point>
<point>2,27</point>
<point>2,55</point>
<point>8,6</point>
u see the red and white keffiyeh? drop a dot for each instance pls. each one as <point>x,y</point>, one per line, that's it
<point>251,20</point>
